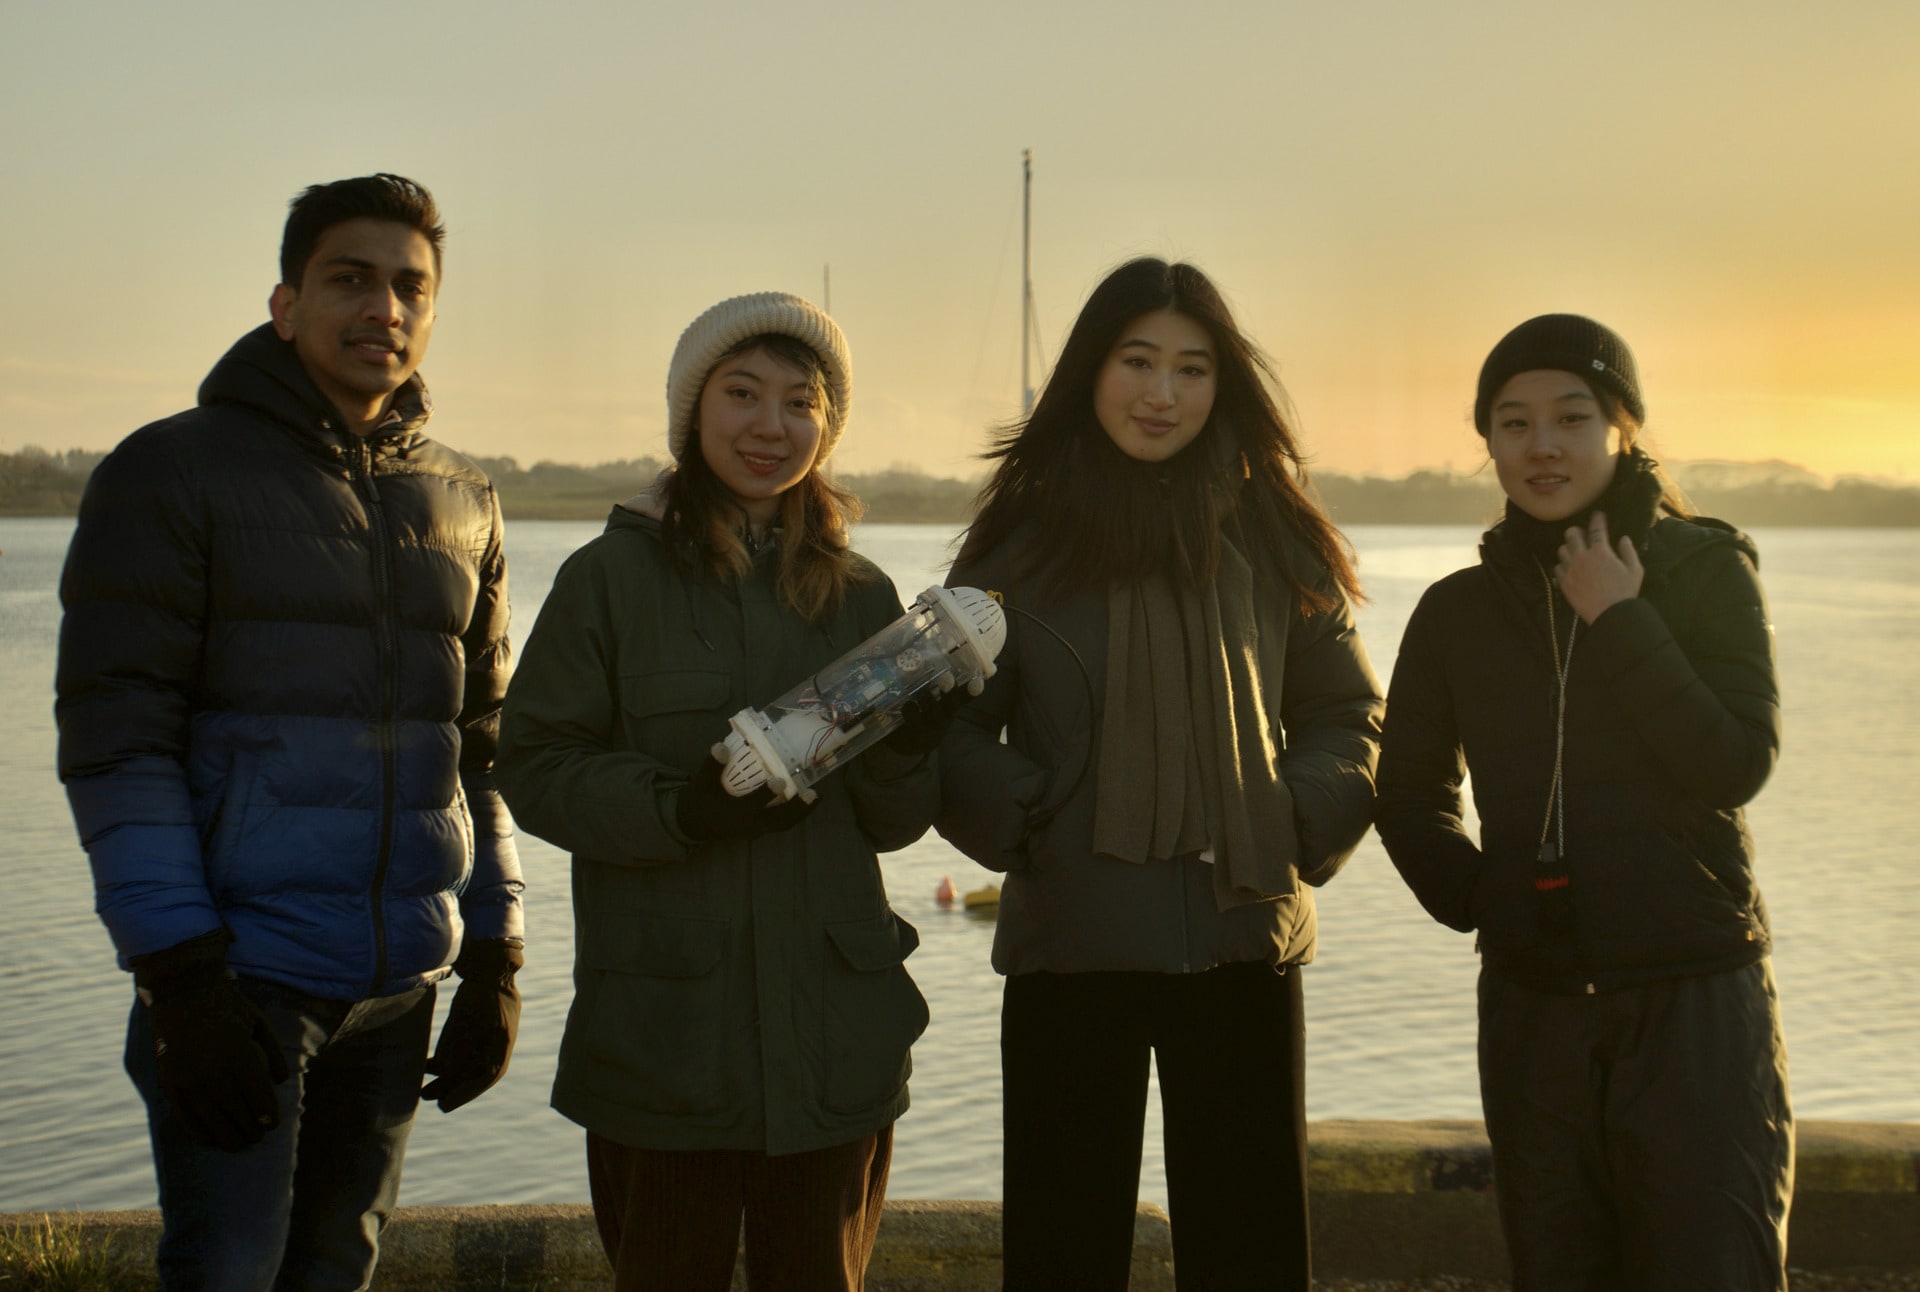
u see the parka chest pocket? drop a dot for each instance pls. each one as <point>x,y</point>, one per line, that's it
<point>675,714</point>
<point>658,1020</point>
<point>874,1013</point>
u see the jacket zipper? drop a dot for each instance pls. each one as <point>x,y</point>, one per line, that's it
<point>388,652</point>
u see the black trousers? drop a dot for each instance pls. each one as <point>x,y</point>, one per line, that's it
<point>1642,1138</point>
<point>1230,1044</point>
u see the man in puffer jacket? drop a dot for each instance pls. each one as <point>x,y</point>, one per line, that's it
<point>281,667</point>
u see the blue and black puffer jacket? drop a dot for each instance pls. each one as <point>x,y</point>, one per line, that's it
<point>280,676</point>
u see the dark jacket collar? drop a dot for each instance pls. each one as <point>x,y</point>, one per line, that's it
<point>262,372</point>
<point>1631,502</point>
<point>1521,552</point>
<point>1518,544</point>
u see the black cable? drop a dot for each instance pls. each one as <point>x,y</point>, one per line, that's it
<point>1038,819</point>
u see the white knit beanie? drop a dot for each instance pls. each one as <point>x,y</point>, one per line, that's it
<point>733,321</point>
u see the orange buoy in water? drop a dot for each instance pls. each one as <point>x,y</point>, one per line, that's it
<point>944,894</point>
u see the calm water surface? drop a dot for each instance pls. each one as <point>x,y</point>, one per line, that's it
<point>1390,1000</point>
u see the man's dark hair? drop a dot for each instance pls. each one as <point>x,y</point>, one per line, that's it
<point>370,197</point>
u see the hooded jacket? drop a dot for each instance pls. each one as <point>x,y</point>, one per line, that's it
<point>280,673</point>
<point>1672,724</point>
<point>735,994</point>
<point>1025,805</point>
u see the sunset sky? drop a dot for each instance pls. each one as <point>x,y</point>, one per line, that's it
<point>1381,187</point>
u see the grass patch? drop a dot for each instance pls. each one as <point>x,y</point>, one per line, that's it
<point>54,1256</point>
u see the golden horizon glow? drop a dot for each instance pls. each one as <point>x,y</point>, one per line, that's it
<point>1380,189</point>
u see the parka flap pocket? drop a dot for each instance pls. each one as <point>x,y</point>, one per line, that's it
<point>873,1013</point>
<point>651,1032</point>
<point>684,690</point>
<point>879,942</point>
<point>658,946</point>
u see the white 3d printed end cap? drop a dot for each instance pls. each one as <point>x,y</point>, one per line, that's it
<point>745,772</point>
<point>977,615</point>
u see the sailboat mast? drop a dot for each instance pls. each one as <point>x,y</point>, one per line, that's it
<point>1026,278</point>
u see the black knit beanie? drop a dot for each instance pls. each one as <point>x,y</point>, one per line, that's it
<point>1564,343</point>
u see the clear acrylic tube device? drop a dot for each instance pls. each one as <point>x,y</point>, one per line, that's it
<point>948,637</point>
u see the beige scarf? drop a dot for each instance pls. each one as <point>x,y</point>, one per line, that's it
<point>1188,757</point>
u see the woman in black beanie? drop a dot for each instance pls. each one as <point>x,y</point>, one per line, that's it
<point>1605,675</point>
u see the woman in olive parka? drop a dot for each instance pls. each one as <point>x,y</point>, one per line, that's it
<point>738,1041</point>
<point>1604,677</point>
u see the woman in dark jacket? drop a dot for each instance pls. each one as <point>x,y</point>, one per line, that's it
<point>1191,729</point>
<point>741,1020</point>
<point>1605,676</point>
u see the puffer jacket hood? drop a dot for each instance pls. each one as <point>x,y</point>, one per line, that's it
<point>262,373</point>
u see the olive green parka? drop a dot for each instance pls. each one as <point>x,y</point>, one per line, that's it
<point>729,995</point>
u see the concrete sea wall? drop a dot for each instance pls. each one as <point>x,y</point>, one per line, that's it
<point>1391,1201</point>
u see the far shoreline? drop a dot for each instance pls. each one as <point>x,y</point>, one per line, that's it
<point>957,523</point>
<point>34,482</point>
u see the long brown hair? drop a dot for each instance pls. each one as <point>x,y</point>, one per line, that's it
<point>705,525</point>
<point>1101,517</point>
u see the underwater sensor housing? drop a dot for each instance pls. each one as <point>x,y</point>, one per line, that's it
<point>949,637</point>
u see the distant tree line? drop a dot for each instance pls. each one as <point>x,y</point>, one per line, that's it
<point>562,491</point>
<point>559,491</point>
<point>1749,495</point>
<point>35,482</point>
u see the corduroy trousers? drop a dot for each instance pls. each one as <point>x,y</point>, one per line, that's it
<point>670,1220</point>
<point>1230,1047</point>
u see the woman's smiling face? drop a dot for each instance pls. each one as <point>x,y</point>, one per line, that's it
<point>1156,388</point>
<point>1551,443</point>
<point>759,429</point>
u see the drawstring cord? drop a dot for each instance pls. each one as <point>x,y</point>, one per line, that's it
<point>1556,818</point>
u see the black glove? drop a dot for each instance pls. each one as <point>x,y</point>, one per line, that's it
<point>477,1039</point>
<point>217,1058</point>
<point>924,721</point>
<point>707,812</point>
